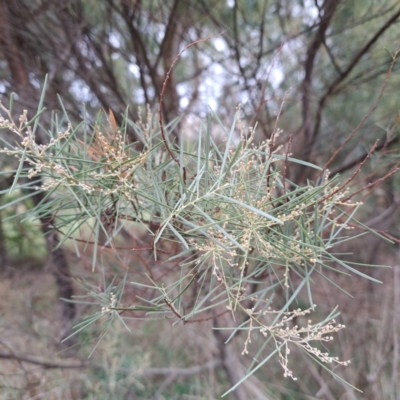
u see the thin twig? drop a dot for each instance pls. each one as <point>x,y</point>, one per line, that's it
<point>264,88</point>
<point>383,233</point>
<point>173,309</point>
<point>207,318</point>
<point>272,142</point>
<point>357,128</point>
<point>272,139</point>
<point>345,184</point>
<point>108,246</point>
<point>348,70</point>
<point>42,363</point>
<point>285,166</point>
<point>375,183</point>
<point>148,372</point>
<point>162,97</point>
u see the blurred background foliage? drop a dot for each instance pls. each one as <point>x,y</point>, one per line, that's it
<point>320,65</point>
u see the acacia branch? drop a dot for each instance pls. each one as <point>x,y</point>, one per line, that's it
<point>106,246</point>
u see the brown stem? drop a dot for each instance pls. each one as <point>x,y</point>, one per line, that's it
<point>319,38</point>
<point>375,183</point>
<point>347,71</point>
<point>160,114</point>
<point>355,173</point>
<point>357,128</point>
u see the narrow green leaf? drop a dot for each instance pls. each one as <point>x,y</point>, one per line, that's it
<point>262,213</point>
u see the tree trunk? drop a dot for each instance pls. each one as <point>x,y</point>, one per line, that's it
<point>61,273</point>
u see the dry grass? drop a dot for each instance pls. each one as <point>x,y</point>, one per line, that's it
<point>30,325</point>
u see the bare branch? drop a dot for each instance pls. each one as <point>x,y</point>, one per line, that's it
<point>377,182</point>
<point>352,163</point>
<point>43,363</point>
<point>347,71</point>
<point>355,173</point>
<point>11,52</point>
<point>163,92</point>
<point>329,8</point>
<point>148,372</point>
<point>357,128</point>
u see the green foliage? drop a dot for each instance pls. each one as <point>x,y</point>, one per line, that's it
<point>23,237</point>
